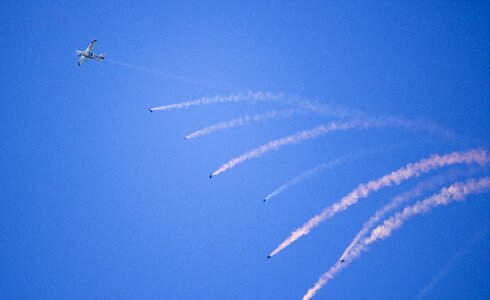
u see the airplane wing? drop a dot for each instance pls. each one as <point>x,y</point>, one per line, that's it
<point>82,60</point>
<point>91,46</point>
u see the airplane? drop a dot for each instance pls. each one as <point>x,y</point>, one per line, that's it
<point>268,256</point>
<point>210,176</point>
<point>150,110</point>
<point>342,260</point>
<point>263,200</point>
<point>84,55</point>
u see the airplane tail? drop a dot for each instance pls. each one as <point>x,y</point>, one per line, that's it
<point>100,57</point>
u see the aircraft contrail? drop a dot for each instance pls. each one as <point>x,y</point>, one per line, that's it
<point>451,263</point>
<point>455,192</point>
<point>250,96</point>
<point>307,135</point>
<point>395,202</point>
<point>162,74</point>
<point>273,114</point>
<point>142,69</point>
<point>394,178</point>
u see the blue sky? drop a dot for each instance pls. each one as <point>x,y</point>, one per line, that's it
<point>103,200</point>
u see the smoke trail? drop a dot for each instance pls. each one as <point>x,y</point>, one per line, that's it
<point>306,135</point>
<point>456,192</point>
<point>250,96</point>
<point>303,106</point>
<point>315,170</point>
<point>421,188</point>
<point>242,121</point>
<point>317,132</point>
<point>322,167</point>
<point>394,178</point>
<point>325,278</point>
<point>451,263</point>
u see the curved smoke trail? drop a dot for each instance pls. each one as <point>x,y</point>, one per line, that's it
<point>394,178</point>
<point>323,167</point>
<point>250,96</point>
<point>455,192</point>
<point>307,135</point>
<point>303,107</point>
<point>419,189</point>
<point>273,114</point>
<point>294,181</point>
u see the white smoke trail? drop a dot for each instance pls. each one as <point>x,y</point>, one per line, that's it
<point>421,188</point>
<point>317,132</point>
<point>456,192</point>
<point>308,173</point>
<point>451,263</point>
<point>250,96</point>
<point>394,178</point>
<point>322,167</point>
<point>325,278</point>
<point>307,135</point>
<point>274,114</point>
<point>303,107</point>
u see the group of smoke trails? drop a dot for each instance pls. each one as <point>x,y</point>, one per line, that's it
<point>301,106</point>
<point>419,189</point>
<point>314,133</point>
<point>394,178</point>
<point>455,192</point>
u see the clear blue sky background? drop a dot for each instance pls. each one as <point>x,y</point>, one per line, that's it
<point>102,200</point>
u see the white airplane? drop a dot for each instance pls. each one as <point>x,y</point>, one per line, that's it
<point>84,55</point>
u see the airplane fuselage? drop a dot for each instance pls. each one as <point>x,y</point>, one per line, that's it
<point>90,55</point>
